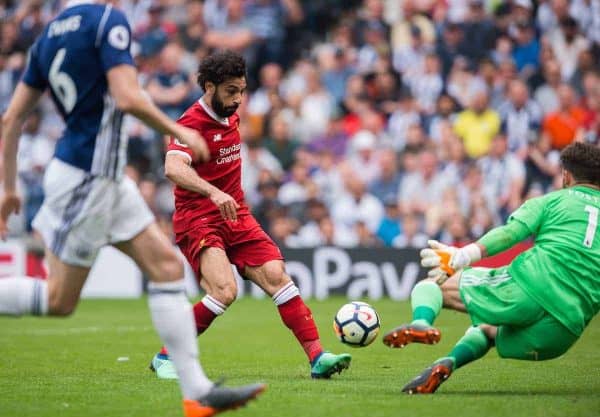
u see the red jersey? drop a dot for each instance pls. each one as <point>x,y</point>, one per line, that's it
<point>223,169</point>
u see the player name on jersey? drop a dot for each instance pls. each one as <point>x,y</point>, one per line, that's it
<point>584,196</point>
<point>60,27</point>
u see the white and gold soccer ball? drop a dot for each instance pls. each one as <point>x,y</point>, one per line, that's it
<point>356,324</point>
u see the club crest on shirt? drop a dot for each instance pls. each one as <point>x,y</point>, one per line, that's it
<point>119,37</point>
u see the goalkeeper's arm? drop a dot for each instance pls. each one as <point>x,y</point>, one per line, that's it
<point>503,237</point>
<point>495,241</point>
<point>446,260</point>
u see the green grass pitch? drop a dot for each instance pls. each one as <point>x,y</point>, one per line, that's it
<point>70,368</point>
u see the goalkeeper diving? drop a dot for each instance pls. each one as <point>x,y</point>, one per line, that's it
<point>536,307</point>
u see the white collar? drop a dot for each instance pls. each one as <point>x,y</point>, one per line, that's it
<point>211,113</point>
<point>72,3</point>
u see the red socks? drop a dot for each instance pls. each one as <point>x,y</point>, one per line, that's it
<point>298,318</point>
<point>203,318</point>
<point>294,313</point>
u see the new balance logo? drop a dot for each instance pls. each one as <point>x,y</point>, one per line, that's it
<point>217,137</point>
<point>178,143</point>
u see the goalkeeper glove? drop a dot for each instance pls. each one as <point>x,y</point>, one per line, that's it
<point>446,260</point>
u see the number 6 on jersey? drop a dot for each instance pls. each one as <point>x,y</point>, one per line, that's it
<point>62,85</point>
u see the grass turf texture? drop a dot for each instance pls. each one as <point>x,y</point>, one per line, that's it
<point>70,367</point>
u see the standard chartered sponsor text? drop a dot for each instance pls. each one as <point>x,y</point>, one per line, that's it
<point>230,149</point>
<point>227,154</point>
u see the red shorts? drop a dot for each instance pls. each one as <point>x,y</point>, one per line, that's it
<point>244,241</point>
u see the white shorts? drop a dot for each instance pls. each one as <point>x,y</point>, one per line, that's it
<point>82,213</point>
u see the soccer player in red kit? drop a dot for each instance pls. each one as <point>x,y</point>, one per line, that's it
<point>214,227</point>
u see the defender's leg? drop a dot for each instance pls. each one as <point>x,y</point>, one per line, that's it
<point>56,296</point>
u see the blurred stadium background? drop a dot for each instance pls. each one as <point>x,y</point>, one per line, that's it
<point>368,124</point>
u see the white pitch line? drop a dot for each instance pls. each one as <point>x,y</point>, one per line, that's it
<point>79,330</point>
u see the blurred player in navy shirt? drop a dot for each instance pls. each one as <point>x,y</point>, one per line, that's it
<point>82,57</point>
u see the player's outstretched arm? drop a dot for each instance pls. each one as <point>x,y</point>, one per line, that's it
<point>446,260</point>
<point>130,98</point>
<point>178,170</point>
<point>23,101</point>
<point>503,237</point>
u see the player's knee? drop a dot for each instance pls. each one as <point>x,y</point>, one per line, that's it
<point>275,275</point>
<point>225,293</point>
<point>170,268</point>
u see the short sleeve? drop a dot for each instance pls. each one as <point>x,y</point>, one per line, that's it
<point>177,147</point>
<point>33,76</point>
<point>113,39</point>
<point>531,213</point>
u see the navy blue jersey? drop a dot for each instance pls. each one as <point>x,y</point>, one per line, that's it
<point>71,57</point>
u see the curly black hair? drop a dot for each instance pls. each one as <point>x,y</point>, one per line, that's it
<point>582,160</point>
<point>219,67</point>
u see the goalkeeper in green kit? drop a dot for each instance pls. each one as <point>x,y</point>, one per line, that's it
<point>536,307</point>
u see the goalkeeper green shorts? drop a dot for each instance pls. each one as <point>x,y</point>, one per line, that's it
<point>525,330</point>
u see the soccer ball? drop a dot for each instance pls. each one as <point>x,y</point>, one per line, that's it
<point>356,324</point>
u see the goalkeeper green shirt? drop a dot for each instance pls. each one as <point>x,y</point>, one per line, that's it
<point>562,270</point>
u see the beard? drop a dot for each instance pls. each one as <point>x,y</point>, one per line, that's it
<point>220,109</point>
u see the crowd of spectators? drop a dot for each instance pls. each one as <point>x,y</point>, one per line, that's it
<point>367,123</point>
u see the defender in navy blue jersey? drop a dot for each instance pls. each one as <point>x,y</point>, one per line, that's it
<point>82,58</point>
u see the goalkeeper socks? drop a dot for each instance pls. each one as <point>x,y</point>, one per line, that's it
<point>174,321</point>
<point>23,295</point>
<point>426,301</point>
<point>472,346</point>
<point>205,311</point>
<point>298,318</point>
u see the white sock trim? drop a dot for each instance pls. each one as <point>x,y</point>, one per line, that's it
<point>282,289</point>
<point>213,305</point>
<point>166,287</point>
<point>39,304</point>
<point>285,294</point>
